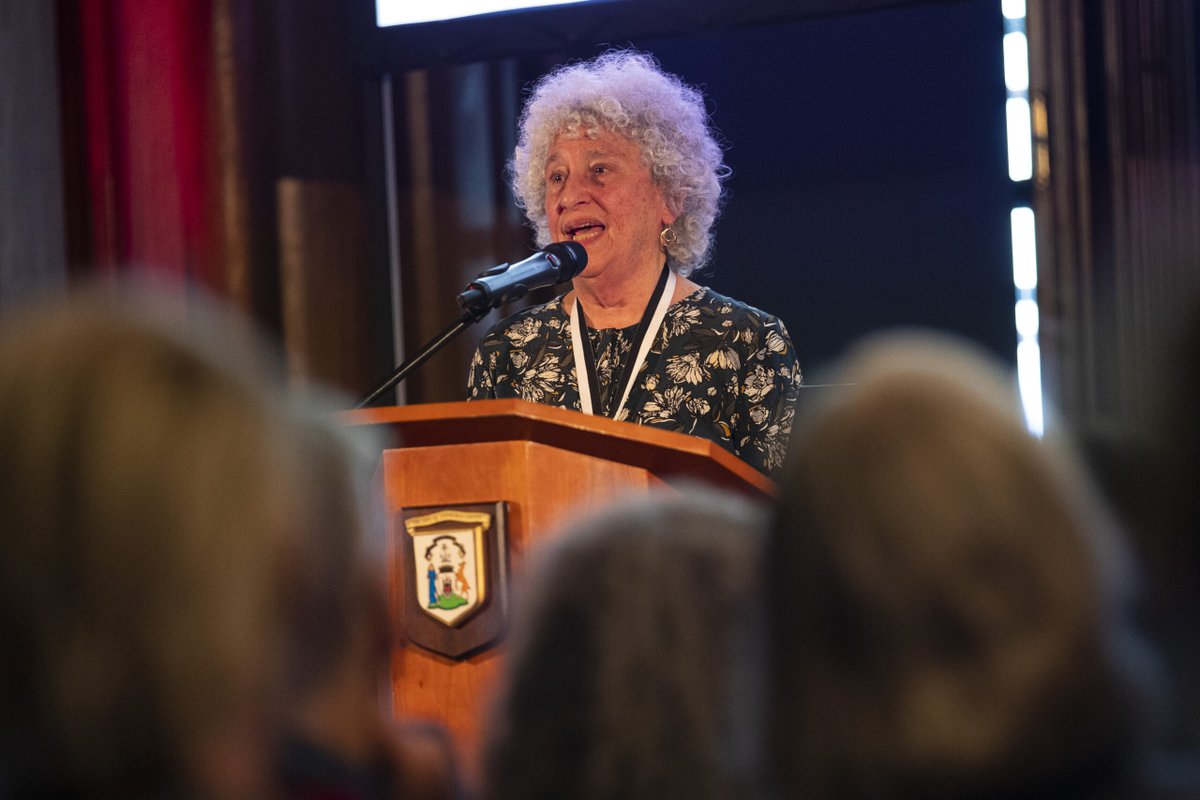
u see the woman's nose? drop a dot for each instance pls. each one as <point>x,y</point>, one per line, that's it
<point>571,193</point>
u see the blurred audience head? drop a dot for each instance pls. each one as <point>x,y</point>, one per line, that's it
<point>335,588</point>
<point>949,606</point>
<point>627,669</point>
<point>341,740</point>
<point>153,486</point>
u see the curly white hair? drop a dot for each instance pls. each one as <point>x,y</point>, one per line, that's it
<point>627,93</point>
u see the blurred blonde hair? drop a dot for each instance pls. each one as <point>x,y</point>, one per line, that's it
<point>628,671</point>
<point>152,483</point>
<point>951,614</point>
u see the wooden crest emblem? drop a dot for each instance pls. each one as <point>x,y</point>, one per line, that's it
<point>453,577</point>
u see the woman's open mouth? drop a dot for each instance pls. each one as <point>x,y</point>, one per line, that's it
<point>584,232</point>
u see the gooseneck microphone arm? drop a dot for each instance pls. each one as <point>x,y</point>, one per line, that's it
<point>557,263</point>
<point>468,317</point>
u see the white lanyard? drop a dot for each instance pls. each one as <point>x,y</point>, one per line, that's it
<point>583,375</point>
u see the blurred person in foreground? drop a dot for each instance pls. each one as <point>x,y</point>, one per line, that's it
<point>341,742</point>
<point>629,668</point>
<point>150,489</point>
<point>950,614</point>
<point>620,156</point>
<point>160,506</point>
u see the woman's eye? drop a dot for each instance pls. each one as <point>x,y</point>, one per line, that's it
<point>555,177</point>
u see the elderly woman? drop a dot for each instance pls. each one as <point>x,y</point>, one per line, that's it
<point>617,155</point>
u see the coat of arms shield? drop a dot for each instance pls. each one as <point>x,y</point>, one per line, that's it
<point>452,571</point>
<point>449,559</point>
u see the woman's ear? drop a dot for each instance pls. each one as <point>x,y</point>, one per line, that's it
<point>671,209</point>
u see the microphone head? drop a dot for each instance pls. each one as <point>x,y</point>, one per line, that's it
<point>570,257</point>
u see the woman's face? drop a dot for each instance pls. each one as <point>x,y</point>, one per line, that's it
<point>600,194</point>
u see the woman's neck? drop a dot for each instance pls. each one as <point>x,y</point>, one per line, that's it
<point>615,305</point>
<point>622,305</point>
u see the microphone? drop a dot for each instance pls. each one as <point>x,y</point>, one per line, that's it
<point>557,263</point>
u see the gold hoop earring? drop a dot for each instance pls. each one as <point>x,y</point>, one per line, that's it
<point>668,238</point>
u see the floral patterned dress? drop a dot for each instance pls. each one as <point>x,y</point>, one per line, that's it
<point>718,369</point>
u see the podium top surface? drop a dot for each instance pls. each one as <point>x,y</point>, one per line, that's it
<point>668,455</point>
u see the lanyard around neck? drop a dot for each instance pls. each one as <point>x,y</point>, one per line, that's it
<point>647,330</point>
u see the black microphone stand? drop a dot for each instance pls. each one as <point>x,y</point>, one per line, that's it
<point>471,315</point>
<point>568,260</point>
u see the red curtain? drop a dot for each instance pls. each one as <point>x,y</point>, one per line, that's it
<point>146,75</point>
<point>195,152</point>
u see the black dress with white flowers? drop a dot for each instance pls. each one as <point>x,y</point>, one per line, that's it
<point>718,369</point>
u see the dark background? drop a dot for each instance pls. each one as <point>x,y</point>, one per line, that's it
<point>870,184</point>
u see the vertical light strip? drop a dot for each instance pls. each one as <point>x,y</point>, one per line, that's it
<point>1020,139</point>
<point>1029,381</point>
<point>1016,62</point>
<point>1013,9</point>
<point>1019,133</point>
<point>1024,245</point>
<point>1026,315</point>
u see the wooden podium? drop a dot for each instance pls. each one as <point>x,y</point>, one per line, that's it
<point>546,465</point>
